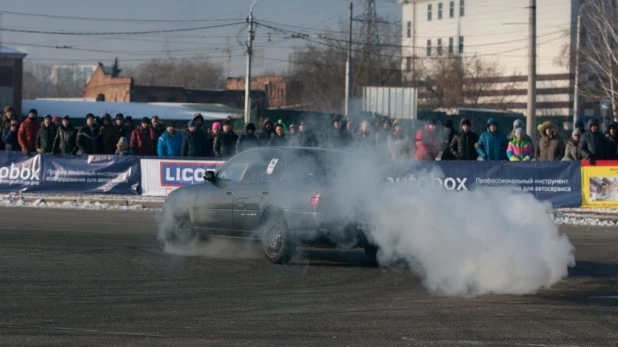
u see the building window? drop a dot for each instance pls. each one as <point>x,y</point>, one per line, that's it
<point>461,44</point>
<point>408,63</point>
<point>409,29</point>
<point>429,12</point>
<point>450,45</point>
<point>440,11</point>
<point>428,47</point>
<point>439,49</point>
<point>462,8</point>
<point>451,9</point>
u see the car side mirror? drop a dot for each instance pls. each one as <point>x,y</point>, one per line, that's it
<point>209,176</point>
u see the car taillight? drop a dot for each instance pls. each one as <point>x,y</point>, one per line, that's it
<point>315,199</point>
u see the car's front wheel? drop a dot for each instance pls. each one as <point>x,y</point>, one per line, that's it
<point>278,247</point>
<point>182,233</point>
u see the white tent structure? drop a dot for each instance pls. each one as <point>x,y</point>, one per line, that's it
<point>165,111</point>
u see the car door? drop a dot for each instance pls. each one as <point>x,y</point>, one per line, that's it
<point>215,201</point>
<point>255,189</point>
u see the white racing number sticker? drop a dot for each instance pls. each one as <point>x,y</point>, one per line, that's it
<point>271,166</point>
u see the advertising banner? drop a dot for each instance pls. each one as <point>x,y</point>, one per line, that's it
<point>600,184</point>
<point>161,176</point>
<point>69,174</point>
<point>19,173</point>
<point>111,174</point>
<point>557,182</point>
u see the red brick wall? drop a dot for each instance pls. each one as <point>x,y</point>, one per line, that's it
<point>115,89</point>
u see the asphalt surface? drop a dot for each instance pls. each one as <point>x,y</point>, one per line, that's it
<point>90,278</point>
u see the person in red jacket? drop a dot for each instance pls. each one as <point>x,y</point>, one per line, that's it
<point>427,143</point>
<point>27,133</point>
<point>142,139</point>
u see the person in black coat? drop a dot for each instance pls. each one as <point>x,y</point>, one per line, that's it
<point>306,137</point>
<point>195,143</point>
<point>267,132</point>
<point>593,145</point>
<point>247,140</point>
<point>225,141</point>
<point>463,144</point>
<point>278,138</point>
<point>89,140</point>
<point>65,141</point>
<point>45,136</point>
<point>9,135</point>
<point>447,137</point>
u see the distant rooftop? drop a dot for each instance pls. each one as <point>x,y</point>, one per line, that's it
<point>6,52</point>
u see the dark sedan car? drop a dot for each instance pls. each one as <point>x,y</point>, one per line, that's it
<point>283,196</point>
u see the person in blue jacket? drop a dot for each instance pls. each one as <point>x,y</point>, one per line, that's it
<point>492,144</point>
<point>170,142</point>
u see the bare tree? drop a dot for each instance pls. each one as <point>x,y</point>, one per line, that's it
<point>320,65</point>
<point>192,73</point>
<point>598,53</point>
<point>456,81</point>
<point>38,82</point>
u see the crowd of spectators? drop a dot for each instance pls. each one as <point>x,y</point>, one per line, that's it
<point>434,141</point>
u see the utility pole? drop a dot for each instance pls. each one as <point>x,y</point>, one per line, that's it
<point>576,82</point>
<point>531,123</point>
<point>249,56</point>
<point>348,66</point>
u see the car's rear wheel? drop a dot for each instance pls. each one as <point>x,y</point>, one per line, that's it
<point>371,252</point>
<point>183,233</point>
<point>278,247</point>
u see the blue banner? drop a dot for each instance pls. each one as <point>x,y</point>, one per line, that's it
<point>69,174</point>
<point>556,182</point>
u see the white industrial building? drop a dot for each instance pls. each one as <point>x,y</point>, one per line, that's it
<point>497,30</point>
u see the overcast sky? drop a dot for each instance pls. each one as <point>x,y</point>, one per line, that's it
<point>306,16</point>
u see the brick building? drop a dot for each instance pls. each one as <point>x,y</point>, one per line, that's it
<point>102,86</point>
<point>279,91</point>
<point>11,77</point>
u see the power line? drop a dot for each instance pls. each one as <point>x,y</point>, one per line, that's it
<point>304,36</point>
<point>132,20</point>
<point>74,33</point>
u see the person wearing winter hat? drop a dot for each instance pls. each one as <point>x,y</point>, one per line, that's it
<point>572,152</point>
<point>225,141</point>
<point>551,146</point>
<point>266,133</point>
<point>66,137</point>
<point>89,139</point>
<point>45,136</point>
<point>9,135</point>
<point>27,133</point>
<point>247,140</point>
<point>123,148</point>
<point>5,123</point>
<point>169,143</point>
<point>110,134</point>
<point>519,124</point>
<point>463,145</point>
<point>142,139</point>
<point>216,128</point>
<point>195,143</point>
<point>128,127</point>
<point>593,145</point>
<point>492,143</point>
<point>278,138</point>
<point>520,148</point>
<point>158,127</point>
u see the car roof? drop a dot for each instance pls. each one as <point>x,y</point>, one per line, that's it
<point>292,150</point>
